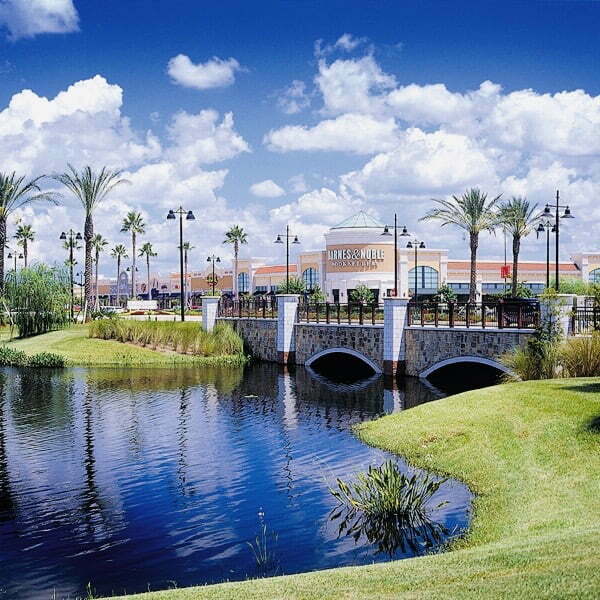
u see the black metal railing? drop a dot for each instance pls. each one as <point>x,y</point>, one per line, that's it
<point>333,313</point>
<point>499,315</point>
<point>585,319</point>
<point>257,308</point>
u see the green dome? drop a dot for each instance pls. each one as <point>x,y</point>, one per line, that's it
<point>359,220</point>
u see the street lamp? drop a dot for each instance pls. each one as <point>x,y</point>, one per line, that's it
<point>547,226</point>
<point>189,216</point>
<point>133,292</point>
<point>73,238</point>
<point>14,255</point>
<point>213,259</point>
<point>548,215</point>
<point>287,253</point>
<point>386,231</point>
<point>416,244</point>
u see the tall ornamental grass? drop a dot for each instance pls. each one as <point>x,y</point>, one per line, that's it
<point>37,299</point>
<point>580,356</point>
<point>187,338</point>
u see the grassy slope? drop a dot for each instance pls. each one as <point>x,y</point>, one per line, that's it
<point>531,452</point>
<point>75,345</point>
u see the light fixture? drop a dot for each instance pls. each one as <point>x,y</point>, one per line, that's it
<point>404,232</point>
<point>171,215</point>
<point>190,216</point>
<point>567,214</point>
<point>409,245</point>
<point>386,231</point>
<point>296,240</point>
<point>278,240</point>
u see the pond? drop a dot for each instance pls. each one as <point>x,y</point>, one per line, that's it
<point>136,479</point>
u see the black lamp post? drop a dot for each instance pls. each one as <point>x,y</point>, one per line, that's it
<point>73,237</point>
<point>14,255</point>
<point>189,216</point>
<point>547,226</point>
<point>287,253</point>
<point>386,231</point>
<point>556,229</point>
<point>416,244</point>
<point>213,259</point>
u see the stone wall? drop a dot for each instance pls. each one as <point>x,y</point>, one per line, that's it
<point>259,335</point>
<point>313,338</point>
<point>426,347</point>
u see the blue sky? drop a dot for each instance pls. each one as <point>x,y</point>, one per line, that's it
<point>400,102</point>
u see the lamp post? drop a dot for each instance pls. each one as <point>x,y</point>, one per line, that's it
<point>547,226</point>
<point>189,216</point>
<point>213,259</point>
<point>14,255</point>
<point>386,231</point>
<point>73,238</point>
<point>416,244</point>
<point>548,215</point>
<point>130,270</point>
<point>287,253</point>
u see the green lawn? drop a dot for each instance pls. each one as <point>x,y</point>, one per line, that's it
<point>75,345</point>
<point>531,452</point>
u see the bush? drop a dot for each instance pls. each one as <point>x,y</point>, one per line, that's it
<point>10,357</point>
<point>46,359</point>
<point>362,294</point>
<point>445,294</point>
<point>580,356</point>
<point>294,286</point>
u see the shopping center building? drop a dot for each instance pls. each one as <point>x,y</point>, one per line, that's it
<point>360,251</point>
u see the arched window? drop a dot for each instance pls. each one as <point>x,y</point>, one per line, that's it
<point>595,276</point>
<point>427,278</point>
<point>243,283</point>
<point>310,277</point>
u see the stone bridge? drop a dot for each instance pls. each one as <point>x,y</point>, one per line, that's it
<point>393,348</point>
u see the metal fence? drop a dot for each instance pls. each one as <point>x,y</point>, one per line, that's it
<point>475,314</point>
<point>585,319</point>
<point>340,314</point>
<point>258,308</point>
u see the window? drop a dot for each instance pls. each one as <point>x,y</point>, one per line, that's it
<point>595,276</point>
<point>427,278</point>
<point>261,288</point>
<point>243,283</point>
<point>310,278</point>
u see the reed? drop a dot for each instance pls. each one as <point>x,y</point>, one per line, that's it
<point>186,338</point>
<point>580,356</point>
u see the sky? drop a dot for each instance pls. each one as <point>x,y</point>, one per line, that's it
<point>301,112</point>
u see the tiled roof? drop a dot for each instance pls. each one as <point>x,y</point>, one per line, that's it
<point>360,219</point>
<point>274,269</point>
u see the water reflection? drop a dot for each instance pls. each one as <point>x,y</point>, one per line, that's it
<point>129,478</point>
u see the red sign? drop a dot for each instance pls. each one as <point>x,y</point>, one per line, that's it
<point>505,271</point>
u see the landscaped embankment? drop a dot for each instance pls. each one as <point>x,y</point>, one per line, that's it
<point>531,453</point>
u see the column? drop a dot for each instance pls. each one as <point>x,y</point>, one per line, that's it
<point>210,305</point>
<point>558,309</point>
<point>287,307</point>
<point>395,315</point>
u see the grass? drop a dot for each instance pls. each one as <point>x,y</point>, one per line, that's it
<point>531,452</point>
<point>75,345</point>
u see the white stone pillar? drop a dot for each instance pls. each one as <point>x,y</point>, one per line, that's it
<point>210,305</point>
<point>395,317</point>
<point>287,307</point>
<point>560,308</point>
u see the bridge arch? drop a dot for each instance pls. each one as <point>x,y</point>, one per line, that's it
<point>465,359</point>
<point>376,368</point>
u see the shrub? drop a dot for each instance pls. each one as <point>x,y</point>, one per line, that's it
<point>9,357</point>
<point>295,285</point>
<point>362,294</point>
<point>580,356</point>
<point>445,294</point>
<point>46,359</point>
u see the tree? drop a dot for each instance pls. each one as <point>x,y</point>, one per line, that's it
<point>519,218</point>
<point>236,236</point>
<point>294,286</point>
<point>134,224</point>
<point>445,294</point>
<point>363,294</point>
<point>98,244</point>
<point>317,295</point>
<point>90,188</point>
<point>187,247</point>
<point>119,252</point>
<point>24,235</point>
<point>473,213</point>
<point>15,193</point>
<point>147,251</point>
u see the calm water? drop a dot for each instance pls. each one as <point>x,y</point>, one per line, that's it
<point>136,479</point>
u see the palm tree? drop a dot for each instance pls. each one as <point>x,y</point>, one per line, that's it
<point>90,188</point>
<point>236,236</point>
<point>98,244</point>
<point>134,224</point>
<point>519,218</point>
<point>147,251</point>
<point>187,247</point>
<point>473,213</point>
<point>119,252</point>
<point>15,192</point>
<point>24,235</point>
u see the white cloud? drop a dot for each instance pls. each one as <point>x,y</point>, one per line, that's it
<point>298,184</point>
<point>266,189</point>
<point>345,43</point>
<point>28,18</point>
<point>361,134</point>
<point>294,99</point>
<point>214,73</point>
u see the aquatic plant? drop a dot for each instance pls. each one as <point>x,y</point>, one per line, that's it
<point>263,548</point>
<point>46,359</point>
<point>12,358</point>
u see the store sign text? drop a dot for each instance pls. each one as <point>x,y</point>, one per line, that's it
<point>354,257</point>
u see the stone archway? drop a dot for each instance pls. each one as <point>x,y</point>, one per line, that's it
<point>488,362</point>
<point>348,351</point>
